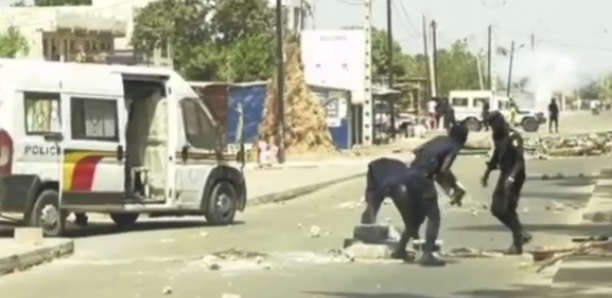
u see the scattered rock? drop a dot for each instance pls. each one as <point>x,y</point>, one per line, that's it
<point>229,295</point>
<point>525,209</point>
<point>315,231</point>
<point>204,234</point>
<point>485,206</point>
<point>558,206</point>
<point>211,262</point>
<point>167,291</point>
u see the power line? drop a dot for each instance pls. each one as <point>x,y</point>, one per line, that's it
<point>557,42</point>
<point>410,26</point>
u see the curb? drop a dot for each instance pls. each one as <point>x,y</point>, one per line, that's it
<point>298,191</point>
<point>599,207</point>
<point>37,255</point>
<point>560,176</point>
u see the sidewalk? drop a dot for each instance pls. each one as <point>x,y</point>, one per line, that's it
<point>18,257</point>
<point>280,184</point>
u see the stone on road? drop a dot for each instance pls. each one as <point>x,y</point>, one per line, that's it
<point>271,253</point>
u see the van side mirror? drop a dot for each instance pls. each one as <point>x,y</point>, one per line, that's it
<point>54,137</point>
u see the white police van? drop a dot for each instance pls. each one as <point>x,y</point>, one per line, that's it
<point>120,140</point>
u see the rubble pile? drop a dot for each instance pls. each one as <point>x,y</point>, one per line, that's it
<point>306,128</point>
<point>545,257</point>
<point>593,144</point>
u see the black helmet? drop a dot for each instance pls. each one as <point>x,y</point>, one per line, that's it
<point>459,133</point>
<point>496,121</point>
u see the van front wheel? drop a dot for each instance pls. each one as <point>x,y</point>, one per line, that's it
<point>222,204</point>
<point>47,215</point>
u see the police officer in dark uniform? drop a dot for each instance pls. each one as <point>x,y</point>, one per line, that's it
<point>508,157</point>
<point>413,191</point>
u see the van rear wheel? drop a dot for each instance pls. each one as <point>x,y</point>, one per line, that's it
<point>47,215</point>
<point>472,124</point>
<point>124,220</point>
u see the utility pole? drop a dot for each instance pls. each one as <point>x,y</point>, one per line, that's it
<point>489,56</point>
<point>390,64</point>
<point>280,64</point>
<point>479,70</point>
<point>430,84</point>
<point>368,107</point>
<point>434,43</point>
<point>509,87</point>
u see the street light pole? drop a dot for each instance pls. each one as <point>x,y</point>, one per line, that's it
<point>510,70</point>
<point>280,109</point>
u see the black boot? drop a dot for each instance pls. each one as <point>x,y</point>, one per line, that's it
<point>519,240</point>
<point>81,219</point>
<point>404,255</point>
<point>428,259</point>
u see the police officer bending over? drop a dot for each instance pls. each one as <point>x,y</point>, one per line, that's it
<point>508,157</point>
<point>413,191</point>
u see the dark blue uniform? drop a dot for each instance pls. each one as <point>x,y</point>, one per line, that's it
<point>412,188</point>
<point>508,158</point>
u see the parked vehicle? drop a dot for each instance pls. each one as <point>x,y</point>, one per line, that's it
<point>112,139</point>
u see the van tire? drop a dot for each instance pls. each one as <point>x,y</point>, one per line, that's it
<point>124,220</point>
<point>47,205</point>
<point>473,124</point>
<point>222,204</point>
<point>530,124</point>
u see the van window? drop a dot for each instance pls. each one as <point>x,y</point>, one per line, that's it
<point>480,101</point>
<point>459,102</point>
<point>94,119</point>
<point>200,131</point>
<point>42,112</point>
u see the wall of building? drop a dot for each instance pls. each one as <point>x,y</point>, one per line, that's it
<point>35,23</point>
<point>335,58</point>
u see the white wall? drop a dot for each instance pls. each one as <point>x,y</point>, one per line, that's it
<point>335,58</point>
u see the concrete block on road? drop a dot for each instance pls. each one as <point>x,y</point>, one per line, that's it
<point>371,233</point>
<point>369,251</point>
<point>14,257</point>
<point>28,236</point>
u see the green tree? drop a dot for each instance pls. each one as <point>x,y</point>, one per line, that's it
<point>13,43</point>
<point>227,39</point>
<point>61,2</point>
<point>19,3</point>
<point>457,68</point>
<point>380,57</point>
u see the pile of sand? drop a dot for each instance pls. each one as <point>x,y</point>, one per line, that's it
<point>306,128</point>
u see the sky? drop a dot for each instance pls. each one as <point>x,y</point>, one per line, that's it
<point>570,35</point>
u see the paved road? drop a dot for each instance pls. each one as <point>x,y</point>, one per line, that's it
<point>582,122</point>
<point>163,255</point>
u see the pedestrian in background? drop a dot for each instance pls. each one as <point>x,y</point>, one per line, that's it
<point>553,116</point>
<point>432,106</point>
<point>485,113</point>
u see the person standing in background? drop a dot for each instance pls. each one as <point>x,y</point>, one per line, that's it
<point>553,116</point>
<point>485,113</point>
<point>432,111</point>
